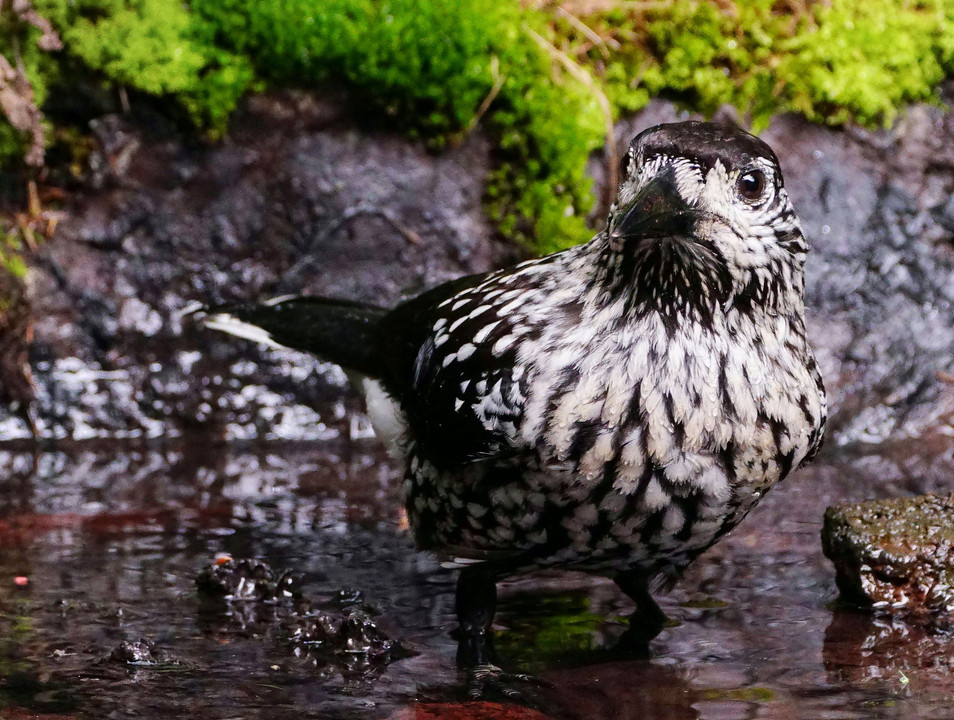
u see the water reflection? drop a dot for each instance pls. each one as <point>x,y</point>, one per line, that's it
<point>110,541</point>
<point>631,690</point>
<point>889,654</point>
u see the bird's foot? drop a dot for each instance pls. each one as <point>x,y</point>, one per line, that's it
<point>645,625</point>
<point>648,620</point>
<point>485,679</point>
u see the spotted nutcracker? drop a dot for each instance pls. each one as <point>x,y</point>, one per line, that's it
<point>616,407</point>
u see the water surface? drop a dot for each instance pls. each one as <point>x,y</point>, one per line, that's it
<point>109,538</point>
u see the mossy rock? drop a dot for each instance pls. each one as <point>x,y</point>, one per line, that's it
<point>894,554</point>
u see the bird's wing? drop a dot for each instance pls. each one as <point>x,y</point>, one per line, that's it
<point>457,370</point>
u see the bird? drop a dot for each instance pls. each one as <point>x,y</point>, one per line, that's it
<point>616,407</point>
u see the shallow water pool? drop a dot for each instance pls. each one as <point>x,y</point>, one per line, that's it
<point>102,544</point>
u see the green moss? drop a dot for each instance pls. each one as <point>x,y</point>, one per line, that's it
<point>10,259</point>
<point>421,67</point>
<point>532,77</point>
<point>543,631</point>
<point>842,61</point>
<point>156,47</point>
<point>866,60</point>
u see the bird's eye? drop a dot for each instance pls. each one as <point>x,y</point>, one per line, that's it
<point>751,185</point>
<point>624,165</point>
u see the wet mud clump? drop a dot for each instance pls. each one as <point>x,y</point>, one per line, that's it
<point>894,554</point>
<point>340,634</point>
<point>353,632</point>
<point>140,652</point>
<point>247,579</point>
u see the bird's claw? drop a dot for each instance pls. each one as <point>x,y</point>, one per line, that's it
<point>487,681</point>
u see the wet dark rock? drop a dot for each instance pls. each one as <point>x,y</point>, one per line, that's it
<point>894,554</point>
<point>308,206</point>
<point>140,652</point>
<point>354,633</point>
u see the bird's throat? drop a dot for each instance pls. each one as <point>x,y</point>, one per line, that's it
<point>669,274</point>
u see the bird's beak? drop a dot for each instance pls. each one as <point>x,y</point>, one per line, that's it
<point>657,211</point>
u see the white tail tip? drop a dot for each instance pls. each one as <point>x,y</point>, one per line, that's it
<point>223,322</point>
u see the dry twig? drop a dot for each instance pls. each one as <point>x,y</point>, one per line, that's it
<point>580,73</point>
<point>17,101</point>
<point>487,101</point>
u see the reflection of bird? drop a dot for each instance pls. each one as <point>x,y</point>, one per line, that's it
<point>16,334</point>
<point>616,407</point>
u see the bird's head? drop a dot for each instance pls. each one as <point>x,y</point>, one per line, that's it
<point>702,217</point>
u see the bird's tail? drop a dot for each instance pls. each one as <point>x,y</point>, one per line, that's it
<point>337,330</point>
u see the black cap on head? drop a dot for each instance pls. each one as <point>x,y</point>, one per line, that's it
<point>703,142</point>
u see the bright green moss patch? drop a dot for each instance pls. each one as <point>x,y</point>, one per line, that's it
<point>544,80</point>
<point>420,66</point>
<point>156,47</point>
<point>866,60</point>
<point>10,260</point>
<point>544,630</point>
<point>835,62</point>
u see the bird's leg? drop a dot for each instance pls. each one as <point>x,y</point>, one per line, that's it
<point>476,604</point>
<point>648,620</point>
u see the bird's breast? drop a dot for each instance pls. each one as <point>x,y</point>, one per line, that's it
<point>717,410</point>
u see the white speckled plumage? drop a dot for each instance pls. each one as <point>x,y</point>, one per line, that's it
<point>615,407</point>
<point>668,416</point>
